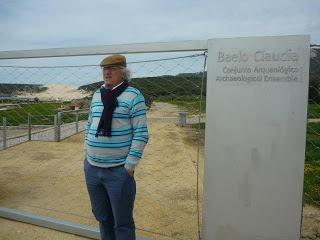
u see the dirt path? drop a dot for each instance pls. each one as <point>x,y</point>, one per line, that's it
<point>46,178</point>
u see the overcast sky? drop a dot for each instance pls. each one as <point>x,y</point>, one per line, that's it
<point>34,24</point>
<point>30,24</point>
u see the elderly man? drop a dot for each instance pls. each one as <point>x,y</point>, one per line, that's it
<point>115,137</point>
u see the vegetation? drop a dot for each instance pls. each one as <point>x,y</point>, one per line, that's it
<point>9,89</point>
<point>190,103</point>
<point>313,110</point>
<point>182,86</point>
<point>312,165</point>
<point>42,113</point>
<point>314,78</point>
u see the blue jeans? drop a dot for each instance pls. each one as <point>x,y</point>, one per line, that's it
<point>112,192</point>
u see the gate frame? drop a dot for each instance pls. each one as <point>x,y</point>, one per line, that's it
<point>155,47</point>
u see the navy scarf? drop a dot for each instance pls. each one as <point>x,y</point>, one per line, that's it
<point>109,100</point>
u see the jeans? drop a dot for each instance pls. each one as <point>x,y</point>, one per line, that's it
<point>112,193</point>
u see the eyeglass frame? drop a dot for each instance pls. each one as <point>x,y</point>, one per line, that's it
<point>111,68</point>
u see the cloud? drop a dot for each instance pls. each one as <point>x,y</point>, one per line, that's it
<point>39,24</point>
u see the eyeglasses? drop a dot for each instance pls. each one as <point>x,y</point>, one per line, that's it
<point>112,69</point>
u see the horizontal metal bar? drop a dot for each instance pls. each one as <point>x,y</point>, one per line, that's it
<point>60,225</point>
<point>196,45</point>
<point>51,223</point>
<point>313,120</point>
<point>79,110</point>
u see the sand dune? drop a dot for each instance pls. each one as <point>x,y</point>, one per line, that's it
<point>58,92</point>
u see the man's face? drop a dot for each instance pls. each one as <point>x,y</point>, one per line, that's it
<point>112,76</point>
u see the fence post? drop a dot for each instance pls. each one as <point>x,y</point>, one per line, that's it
<point>77,121</point>
<point>29,126</point>
<point>57,126</point>
<point>182,119</point>
<point>4,134</point>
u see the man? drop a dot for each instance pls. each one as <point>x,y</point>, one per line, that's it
<point>115,137</point>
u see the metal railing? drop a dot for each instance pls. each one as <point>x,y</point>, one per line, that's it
<point>152,77</point>
<point>47,132</point>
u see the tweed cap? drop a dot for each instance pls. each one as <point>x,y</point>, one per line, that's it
<point>114,60</point>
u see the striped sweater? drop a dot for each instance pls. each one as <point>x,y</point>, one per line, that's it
<point>129,133</point>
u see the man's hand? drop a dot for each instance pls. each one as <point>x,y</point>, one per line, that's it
<point>130,172</point>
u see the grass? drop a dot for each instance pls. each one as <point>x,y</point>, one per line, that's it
<point>42,113</point>
<point>39,111</point>
<point>312,165</point>
<point>196,125</point>
<point>190,103</point>
<point>313,110</point>
<point>312,183</point>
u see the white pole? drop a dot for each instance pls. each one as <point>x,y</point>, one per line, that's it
<point>197,45</point>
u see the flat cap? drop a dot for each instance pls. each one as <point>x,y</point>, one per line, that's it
<point>114,60</point>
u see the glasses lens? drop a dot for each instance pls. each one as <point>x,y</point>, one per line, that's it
<point>110,68</point>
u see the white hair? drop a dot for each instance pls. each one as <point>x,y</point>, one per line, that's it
<point>126,74</point>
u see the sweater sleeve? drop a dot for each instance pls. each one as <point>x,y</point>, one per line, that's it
<point>140,132</point>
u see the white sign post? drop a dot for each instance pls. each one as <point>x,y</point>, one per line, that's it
<point>257,95</point>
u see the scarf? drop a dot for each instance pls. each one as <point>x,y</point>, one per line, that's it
<point>110,102</point>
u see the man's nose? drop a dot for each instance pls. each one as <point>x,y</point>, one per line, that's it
<point>107,73</point>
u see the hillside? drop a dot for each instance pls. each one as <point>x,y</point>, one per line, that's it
<point>9,89</point>
<point>185,84</point>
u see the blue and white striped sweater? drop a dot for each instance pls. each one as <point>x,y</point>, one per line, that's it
<point>129,133</point>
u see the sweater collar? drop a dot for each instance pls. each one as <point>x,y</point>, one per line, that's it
<point>104,85</point>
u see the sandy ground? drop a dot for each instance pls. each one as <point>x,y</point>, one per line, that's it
<point>310,228</point>
<point>47,178</point>
<point>57,92</point>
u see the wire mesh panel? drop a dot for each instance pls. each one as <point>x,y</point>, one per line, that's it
<point>53,102</point>
<point>41,93</point>
<point>50,103</point>
<point>12,134</point>
<point>72,122</point>
<point>41,127</point>
<point>311,211</point>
